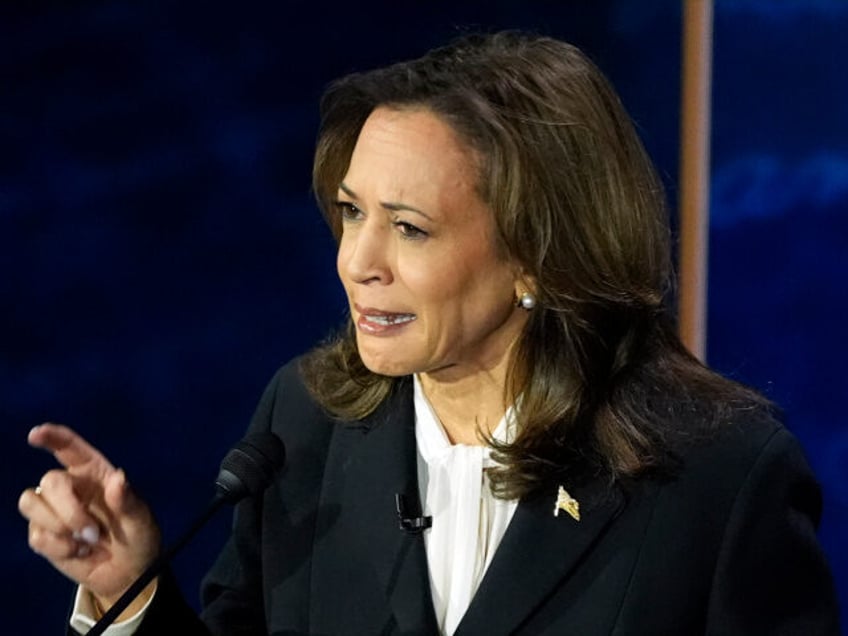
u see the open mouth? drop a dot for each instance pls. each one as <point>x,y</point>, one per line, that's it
<point>389,319</point>
<point>381,323</point>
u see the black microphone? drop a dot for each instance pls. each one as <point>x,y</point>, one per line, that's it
<point>410,519</point>
<point>246,470</point>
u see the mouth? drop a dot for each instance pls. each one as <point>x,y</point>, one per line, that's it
<point>375,321</point>
<point>389,319</point>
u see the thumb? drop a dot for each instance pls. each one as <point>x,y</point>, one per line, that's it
<point>119,495</point>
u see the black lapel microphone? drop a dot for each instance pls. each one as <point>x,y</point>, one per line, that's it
<point>246,470</point>
<point>410,518</point>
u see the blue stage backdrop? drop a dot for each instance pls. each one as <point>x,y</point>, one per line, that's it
<point>162,255</point>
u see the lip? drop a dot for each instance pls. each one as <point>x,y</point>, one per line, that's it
<point>376,322</point>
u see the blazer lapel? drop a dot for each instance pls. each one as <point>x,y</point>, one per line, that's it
<point>538,550</point>
<point>536,553</point>
<point>385,463</point>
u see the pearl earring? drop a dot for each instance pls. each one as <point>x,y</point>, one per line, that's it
<point>527,301</point>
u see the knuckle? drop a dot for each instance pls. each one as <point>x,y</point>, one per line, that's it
<point>48,544</point>
<point>25,503</point>
<point>54,479</point>
<point>36,539</point>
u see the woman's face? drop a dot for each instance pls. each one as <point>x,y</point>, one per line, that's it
<point>427,289</point>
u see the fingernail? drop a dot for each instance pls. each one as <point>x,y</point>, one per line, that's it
<point>83,551</point>
<point>90,534</point>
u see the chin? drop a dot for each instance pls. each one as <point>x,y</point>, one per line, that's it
<point>383,364</point>
<point>392,370</point>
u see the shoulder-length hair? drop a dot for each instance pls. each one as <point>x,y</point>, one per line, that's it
<point>577,205</point>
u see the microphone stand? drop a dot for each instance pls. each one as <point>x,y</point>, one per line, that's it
<point>155,568</point>
<point>246,470</point>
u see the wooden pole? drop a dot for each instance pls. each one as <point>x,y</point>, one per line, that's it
<point>694,173</point>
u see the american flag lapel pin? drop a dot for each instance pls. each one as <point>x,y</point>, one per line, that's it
<point>566,502</point>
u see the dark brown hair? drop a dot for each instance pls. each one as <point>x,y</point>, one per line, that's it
<point>577,204</point>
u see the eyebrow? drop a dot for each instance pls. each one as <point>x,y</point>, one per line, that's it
<point>388,205</point>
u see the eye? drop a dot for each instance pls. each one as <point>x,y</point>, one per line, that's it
<point>410,231</point>
<point>348,211</point>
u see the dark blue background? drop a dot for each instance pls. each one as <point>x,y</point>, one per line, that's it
<point>161,253</point>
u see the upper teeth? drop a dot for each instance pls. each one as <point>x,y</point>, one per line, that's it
<point>391,320</point>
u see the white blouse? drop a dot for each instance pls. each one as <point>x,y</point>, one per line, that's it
<point>468,521</point>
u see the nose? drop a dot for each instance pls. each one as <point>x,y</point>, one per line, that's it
<point>365,254</point>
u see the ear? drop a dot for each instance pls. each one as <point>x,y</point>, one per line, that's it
<point>524,282</point>
<point>526,291</point>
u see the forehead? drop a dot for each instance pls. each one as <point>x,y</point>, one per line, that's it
<point>418,124</point>
<point>405,148</point>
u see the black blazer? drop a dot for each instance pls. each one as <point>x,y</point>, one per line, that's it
<point>728,547</point>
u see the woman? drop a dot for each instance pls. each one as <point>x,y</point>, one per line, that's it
<point>510,377</point>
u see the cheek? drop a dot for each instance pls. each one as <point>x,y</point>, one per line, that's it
<point>342,259</point>
<point>432,283</point>
<point>339,269</point>
<point>453,293</point>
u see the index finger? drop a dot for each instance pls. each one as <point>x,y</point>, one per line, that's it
<point>69,448</point>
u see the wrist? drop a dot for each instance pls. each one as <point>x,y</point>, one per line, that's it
<point>101,604</point>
